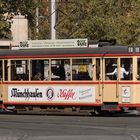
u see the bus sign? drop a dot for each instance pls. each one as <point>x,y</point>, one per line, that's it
<point>59,43</point>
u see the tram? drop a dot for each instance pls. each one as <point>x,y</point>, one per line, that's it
<point>73,79</point>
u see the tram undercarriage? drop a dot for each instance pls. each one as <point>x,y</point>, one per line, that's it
<point>69,110</point>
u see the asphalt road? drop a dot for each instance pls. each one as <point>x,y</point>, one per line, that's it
<point>44,127</point>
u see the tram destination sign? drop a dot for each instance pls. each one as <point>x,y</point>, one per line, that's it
<point>59,43</point>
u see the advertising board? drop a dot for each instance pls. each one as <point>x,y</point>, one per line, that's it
<point>56,93</point>
<point>126,94</point>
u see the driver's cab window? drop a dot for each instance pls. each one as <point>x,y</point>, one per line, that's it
<point>111,68</point>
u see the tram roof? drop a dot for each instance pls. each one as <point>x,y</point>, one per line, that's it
<point>114,49</point>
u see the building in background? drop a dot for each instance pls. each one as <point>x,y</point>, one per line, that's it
<point>19,29</point>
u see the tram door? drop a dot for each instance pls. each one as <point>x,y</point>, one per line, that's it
<point>110,83</point>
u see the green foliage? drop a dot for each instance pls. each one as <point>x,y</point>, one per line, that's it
<point>10,8</point>
<point>5,32</point>
<point>92,19</point>
<point>101,19</point>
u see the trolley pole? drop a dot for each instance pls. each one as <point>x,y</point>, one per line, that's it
<point>37,16</point>
<point>53,19</point>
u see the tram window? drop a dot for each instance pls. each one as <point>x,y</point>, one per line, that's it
<point>0,69</point>
<point>138,69</point>
<point>98,69</point>
<point>19,70</point>
<point>126,72</point>
<point>39,69</point>
<point>60,69</point>
<point>82,69</point>
<point>6,70</point>
<point>111,68</point>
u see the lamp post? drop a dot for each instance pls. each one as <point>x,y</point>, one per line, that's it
<point>53,19</point>
<point>37,16</point>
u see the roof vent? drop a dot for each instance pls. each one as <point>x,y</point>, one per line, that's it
<point>106,42</point>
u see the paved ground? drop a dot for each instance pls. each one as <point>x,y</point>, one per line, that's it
<point>71,138</point>
<point>43,127</point>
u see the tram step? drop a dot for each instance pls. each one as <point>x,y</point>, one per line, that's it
<point>109,106</point>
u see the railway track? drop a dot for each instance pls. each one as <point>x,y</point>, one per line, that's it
<point>62,113</point>
<point>55,113</point>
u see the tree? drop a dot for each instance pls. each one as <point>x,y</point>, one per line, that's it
<point>102,19</point>
<point>5,32</point>
<point>92,19</point>
<point>10,8</point>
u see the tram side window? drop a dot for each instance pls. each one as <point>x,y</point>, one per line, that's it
<point>126,72</point>
<point>6,66</point>
<point>60,69</point>
<point>82,69</point>
<point>111,69</point>
<point>138,69</point>
<point>39,70</point>
<point>1,70</point>
<point>19,70</point>
<point>98,65</point>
